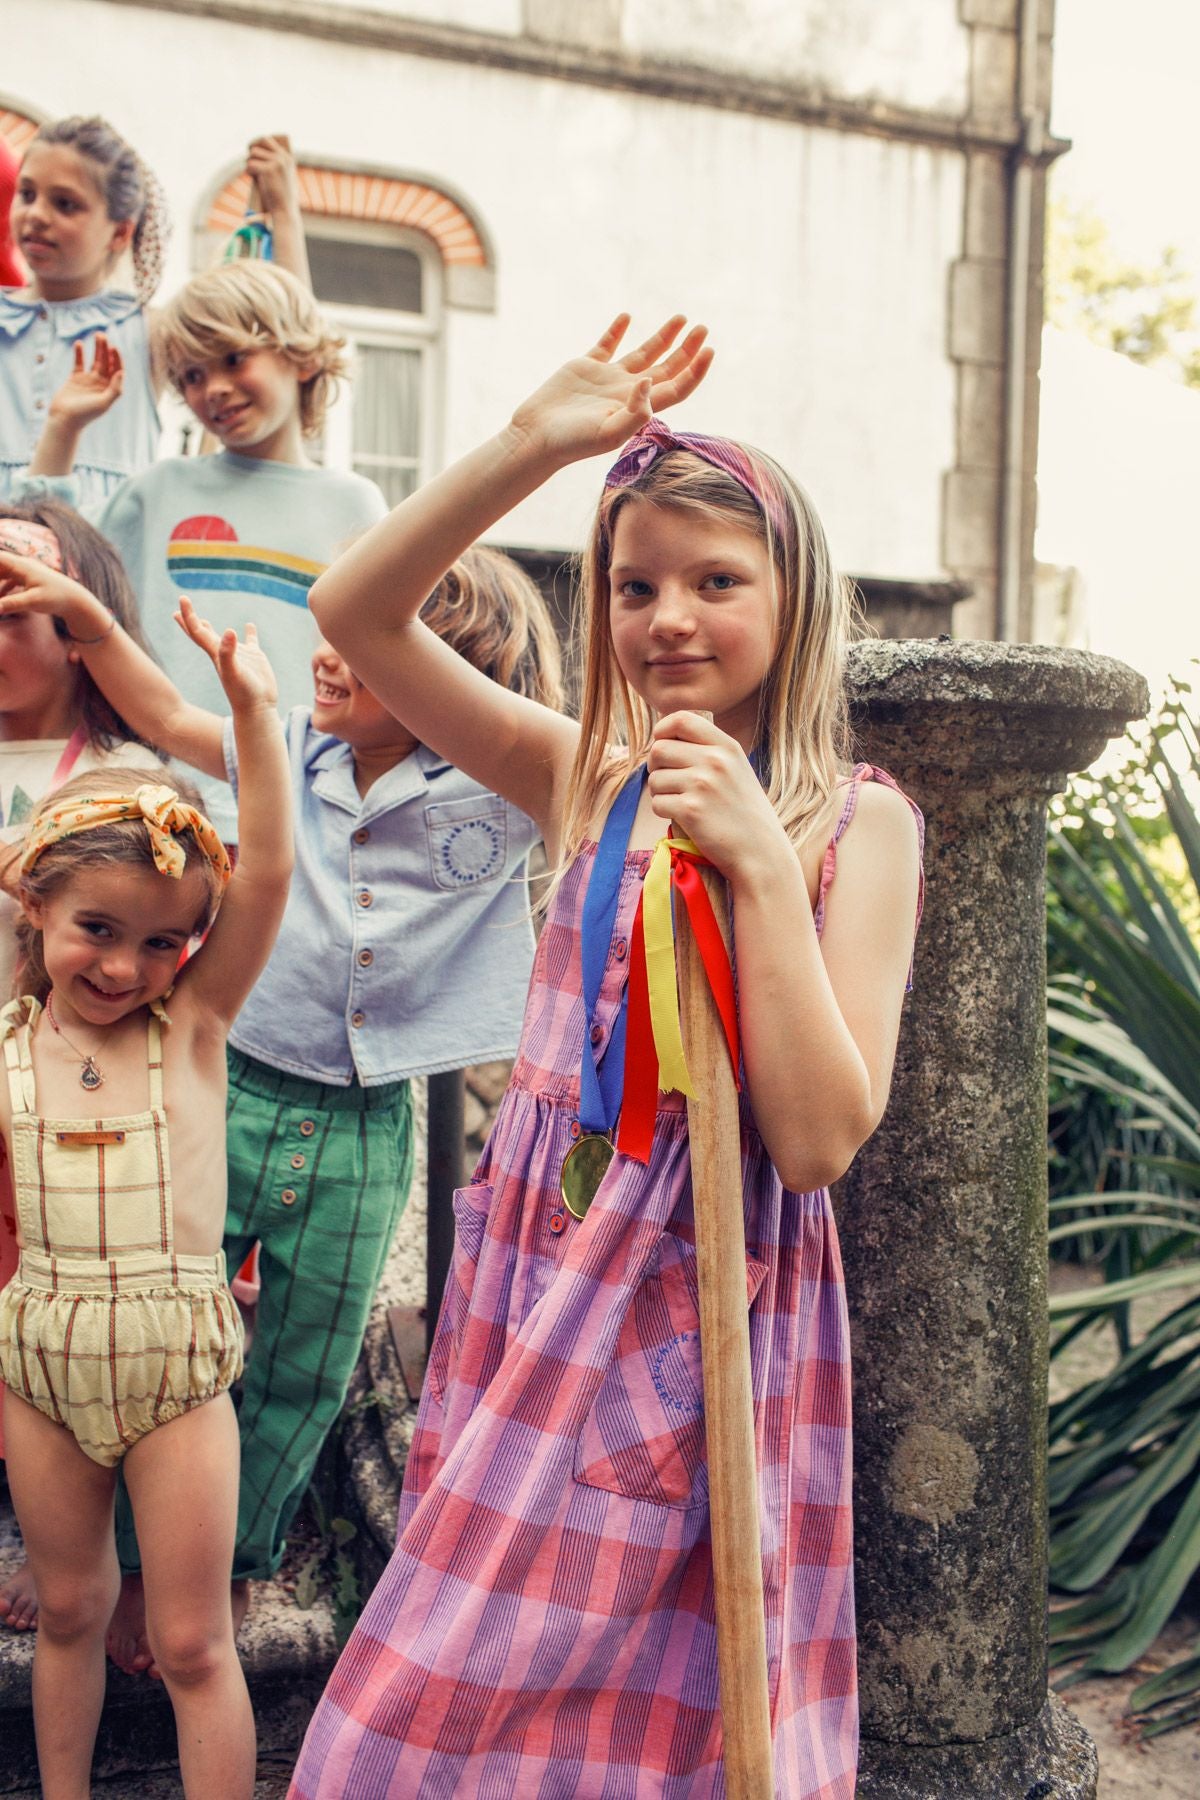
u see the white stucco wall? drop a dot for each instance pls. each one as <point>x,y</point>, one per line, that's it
<point>818,259</point>
<point>912,52</point>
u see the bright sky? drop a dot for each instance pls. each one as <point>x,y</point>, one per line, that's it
<point>1119,459</point>
<point>1125,84</point>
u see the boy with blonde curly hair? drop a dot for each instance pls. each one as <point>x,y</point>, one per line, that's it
<point>249,529</point>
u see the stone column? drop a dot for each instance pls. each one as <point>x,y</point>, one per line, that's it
<point>943,1228</point>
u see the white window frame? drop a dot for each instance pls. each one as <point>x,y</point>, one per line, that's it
<point>376,326</point>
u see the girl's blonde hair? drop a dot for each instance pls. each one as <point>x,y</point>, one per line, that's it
<point>255,306</point>
<point>124,842</point>
<point>488,609</point>
<point>803,738</point>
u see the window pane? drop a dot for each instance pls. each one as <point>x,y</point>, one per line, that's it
<point>395,482</point>
<point>387,401</point>
<point>378,275</point>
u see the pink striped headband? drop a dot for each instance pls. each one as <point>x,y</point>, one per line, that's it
<point>655,440</point>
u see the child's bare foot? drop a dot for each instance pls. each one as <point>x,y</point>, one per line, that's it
<point>126,1640</point>
<point>239,1594</point>
<point>18,1600</point>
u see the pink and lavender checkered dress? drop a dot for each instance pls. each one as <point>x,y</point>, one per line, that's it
<point>545,1629</point>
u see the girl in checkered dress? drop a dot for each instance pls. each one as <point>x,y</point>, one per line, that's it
<point>119,1338</point>
<point>546,1624</point>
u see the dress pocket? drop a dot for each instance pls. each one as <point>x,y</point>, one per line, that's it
<point>644,1436</point>
<point>468,842</point>
<point>471,1208</point>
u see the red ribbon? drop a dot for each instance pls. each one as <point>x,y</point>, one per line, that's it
<point>639,1105</point>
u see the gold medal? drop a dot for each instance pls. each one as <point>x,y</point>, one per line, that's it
<point>584,1168</point>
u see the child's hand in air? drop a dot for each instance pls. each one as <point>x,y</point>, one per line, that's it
<point>701,781</point>
<point>28,585</point>
<point>87,394</point>
<point>594,403</point>
<point>245,673</point>
<point>271,165</point>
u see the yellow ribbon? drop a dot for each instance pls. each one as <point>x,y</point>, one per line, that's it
<point>661,978</point>
<point>160,809</point>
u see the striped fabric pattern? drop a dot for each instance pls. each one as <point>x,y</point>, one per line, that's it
<point>545,1629</point>
<point>105,1328</point>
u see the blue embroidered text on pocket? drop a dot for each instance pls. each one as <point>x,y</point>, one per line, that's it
<point>468,841</point>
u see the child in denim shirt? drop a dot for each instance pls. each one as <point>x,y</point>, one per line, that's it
<point>405,949</point>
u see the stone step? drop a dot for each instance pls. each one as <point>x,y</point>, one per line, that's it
<point>286,1651</point>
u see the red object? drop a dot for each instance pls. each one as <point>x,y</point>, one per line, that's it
<point>639,1102</point>
<point>12,270</point>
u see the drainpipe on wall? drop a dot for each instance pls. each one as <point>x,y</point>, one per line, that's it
<point>1025,158</point>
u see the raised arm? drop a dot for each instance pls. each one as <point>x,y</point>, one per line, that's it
<point>272,167</point>
<point>219,978</point>
<point>368,601</point>
<point>84,396</point>
<point>134,685</point>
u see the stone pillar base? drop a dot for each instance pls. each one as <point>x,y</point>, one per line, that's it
<point>1052,1758</point>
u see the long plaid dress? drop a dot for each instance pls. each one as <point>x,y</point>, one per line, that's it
<point>545,1627</point>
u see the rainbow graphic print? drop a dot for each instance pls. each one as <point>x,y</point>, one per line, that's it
<point>204,552</point>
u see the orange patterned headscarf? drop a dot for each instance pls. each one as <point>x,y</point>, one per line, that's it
<point>160,809</point>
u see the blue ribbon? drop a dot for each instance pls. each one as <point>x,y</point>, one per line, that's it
<point>602,1078</point>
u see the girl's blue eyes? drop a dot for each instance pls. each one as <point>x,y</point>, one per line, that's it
<point>640,590</point>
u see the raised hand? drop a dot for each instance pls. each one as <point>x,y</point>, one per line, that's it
<point>595,402</point>
<point>243,669</point>
<point>272,167</point>
<point>28,585</point>
<point>87,394</point>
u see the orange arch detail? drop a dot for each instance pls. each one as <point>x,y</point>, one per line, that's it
<point>335,193</point>
<point>16,129</point>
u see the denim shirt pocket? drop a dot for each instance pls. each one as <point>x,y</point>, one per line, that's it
<point>468,841</point>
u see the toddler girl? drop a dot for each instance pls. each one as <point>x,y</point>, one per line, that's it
<point>546,1624</point>
<point>119,1338</point>
<point>54,722</point>
<point>83,198</point>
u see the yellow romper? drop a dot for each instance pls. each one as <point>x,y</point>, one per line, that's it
<point>104,1328</point>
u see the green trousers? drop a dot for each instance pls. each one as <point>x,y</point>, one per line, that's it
<point>319,1176</point>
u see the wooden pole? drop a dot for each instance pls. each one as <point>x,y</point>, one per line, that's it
<point>715,1142</point>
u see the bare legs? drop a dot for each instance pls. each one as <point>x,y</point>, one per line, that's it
<point>183,1483</point>
<point>64,1504</point>
<point>182,1480</point>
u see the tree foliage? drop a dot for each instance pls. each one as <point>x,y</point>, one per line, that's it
<point>1146,311</point>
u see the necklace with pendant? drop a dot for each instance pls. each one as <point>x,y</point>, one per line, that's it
<point>90,1075</point>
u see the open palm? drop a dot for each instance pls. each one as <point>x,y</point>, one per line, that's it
<point>595,402</point>
<point>242,667</point>
<point>87,394</point>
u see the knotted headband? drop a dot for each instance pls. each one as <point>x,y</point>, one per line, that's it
<point>655,439</point>
<point>159,807</point>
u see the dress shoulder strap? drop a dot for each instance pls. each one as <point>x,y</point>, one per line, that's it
<point>862,773</point>
<point>154,1059</point>
<point>17,1020</point>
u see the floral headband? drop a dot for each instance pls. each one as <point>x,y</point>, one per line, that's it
<point>25,537</point>
<point>655,439</point>
<point>159,807</point>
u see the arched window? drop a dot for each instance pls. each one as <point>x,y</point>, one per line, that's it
<point>16,128</point>
<point>387,256</point>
